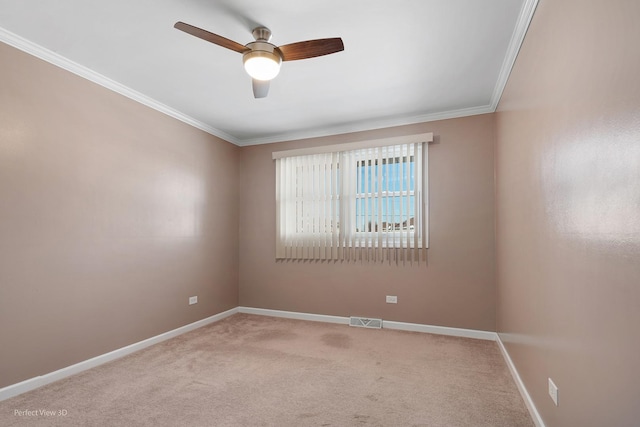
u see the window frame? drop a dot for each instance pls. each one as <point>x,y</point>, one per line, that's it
<point>309,235</point>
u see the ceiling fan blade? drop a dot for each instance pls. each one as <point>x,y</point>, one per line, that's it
<point>311,48</point>
<point>210,37</point>
<point>260,88</point>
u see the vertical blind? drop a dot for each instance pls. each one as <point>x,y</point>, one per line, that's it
<point>354,204</point>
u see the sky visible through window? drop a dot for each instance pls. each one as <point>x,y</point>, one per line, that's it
<point>394,190</point>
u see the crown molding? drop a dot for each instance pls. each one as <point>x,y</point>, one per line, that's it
<point>60,61</point>
<point>366,125</point>
<point>517,38</point>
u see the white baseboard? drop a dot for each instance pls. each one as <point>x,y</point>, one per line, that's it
<point>533,411</point>
<point>33,383</point>
<point>294,315</point>
<point>440,330</point>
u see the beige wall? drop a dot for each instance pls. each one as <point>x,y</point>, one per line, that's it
<point>112,215</point>
<point>568,212</point>
<point>456,288</point>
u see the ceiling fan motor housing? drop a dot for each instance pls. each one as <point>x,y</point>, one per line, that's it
<point>266,48</point>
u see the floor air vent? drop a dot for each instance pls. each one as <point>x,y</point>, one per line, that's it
<point>364,322</point>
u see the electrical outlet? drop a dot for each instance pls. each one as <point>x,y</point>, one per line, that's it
<point>392,299</point>
<point>193,300</point>
<point>553,392</point>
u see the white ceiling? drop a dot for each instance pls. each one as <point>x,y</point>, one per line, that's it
<point>404,62</point>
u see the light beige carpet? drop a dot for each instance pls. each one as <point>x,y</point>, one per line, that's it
<point>261,371</point>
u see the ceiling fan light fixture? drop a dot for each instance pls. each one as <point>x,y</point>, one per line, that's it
<point>262,65</point>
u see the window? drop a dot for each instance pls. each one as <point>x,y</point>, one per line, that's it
<point>360,201</point>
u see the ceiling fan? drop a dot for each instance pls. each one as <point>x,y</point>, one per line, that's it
<point>262,59</point>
